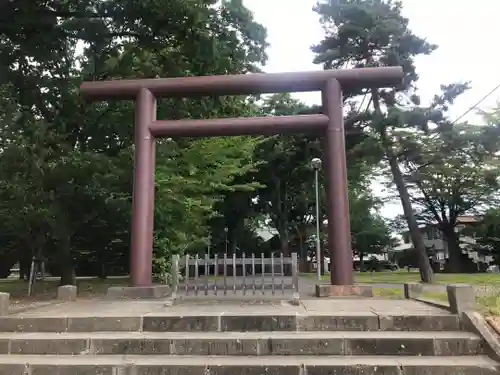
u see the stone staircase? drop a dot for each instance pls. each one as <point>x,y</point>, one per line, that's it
<point>166,343</point>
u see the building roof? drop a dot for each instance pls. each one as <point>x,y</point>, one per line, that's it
<point>464,219</point>
<point>266,233</point>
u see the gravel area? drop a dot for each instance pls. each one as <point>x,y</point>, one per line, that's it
<point>18,306</point>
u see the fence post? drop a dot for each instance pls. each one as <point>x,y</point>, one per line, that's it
<point>244,272</point>
<point>216,272</point>
<point>263,270</point>
<point>253,273</point>
<point>186,273</point>
<point>174,274</point>
<point>282,269</point>
<point>234,273</point>
<point>196,273</point>
<point>225,273</point>
<point>207,272</point>
<point>295,273</point>
<point>272,273</point>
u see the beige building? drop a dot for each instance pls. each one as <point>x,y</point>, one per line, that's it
<point>433,239</point>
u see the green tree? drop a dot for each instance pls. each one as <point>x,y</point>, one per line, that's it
<point>370,233</point>
<point>487,234</point>
<point>283,170</point>
<point>452,170</point>
<point>289,193</point>
<point>366,33</point>
<point>67,165</point>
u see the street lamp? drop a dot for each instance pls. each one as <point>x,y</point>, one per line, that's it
<point>316,164</point>
<point>226,232</point>
<point>209,244</point>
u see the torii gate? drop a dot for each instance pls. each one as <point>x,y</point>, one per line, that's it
<point>331,124</point>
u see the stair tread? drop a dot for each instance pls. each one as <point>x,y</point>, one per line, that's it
<point>155,360</point>
<point>186,311</point>
<point>239,335</point>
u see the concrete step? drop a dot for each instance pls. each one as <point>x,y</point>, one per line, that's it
<point>270,365</point>
<point>244,343</point>
<point>189,321</point>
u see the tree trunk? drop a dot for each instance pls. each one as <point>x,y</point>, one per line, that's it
<point>232,241</point>
<point>301,244</point>
<point>361,262</point>
<point>24,267</point>
<point>67,268</point>
<point>454,252</point>
<point>426,273</point>
<point>230,244</point>
<point>284,242</point>
<point>284,224</point>
<point>102,256</point>
<point>282,227</point>
<point>281,207</point>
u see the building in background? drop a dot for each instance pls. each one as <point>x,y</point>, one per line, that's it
<point>438,247</point>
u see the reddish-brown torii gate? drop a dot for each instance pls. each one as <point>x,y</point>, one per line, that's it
<point>330,123</point>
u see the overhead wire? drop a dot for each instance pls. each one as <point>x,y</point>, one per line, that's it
<point>477,104</point>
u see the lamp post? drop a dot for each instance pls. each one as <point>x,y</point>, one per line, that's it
<point>209,244</point>
<point>316,164</point>
<point>226,232</point>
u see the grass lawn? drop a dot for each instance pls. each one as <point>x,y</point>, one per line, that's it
<point>400,277</point>
<point>488,305</point>
<point>18,289</point>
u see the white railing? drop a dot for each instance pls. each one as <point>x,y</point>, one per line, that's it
<point>246,274</point>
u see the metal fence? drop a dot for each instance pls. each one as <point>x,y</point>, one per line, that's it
<point>247,274</point>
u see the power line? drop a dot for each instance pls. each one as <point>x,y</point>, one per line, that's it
<point>479,102</point>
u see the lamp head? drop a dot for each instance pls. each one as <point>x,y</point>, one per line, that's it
<point>316,163</point>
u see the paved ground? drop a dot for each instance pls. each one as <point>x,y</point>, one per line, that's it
<point>235,303</point>
<point>231,302</point>
<point>126,308</point>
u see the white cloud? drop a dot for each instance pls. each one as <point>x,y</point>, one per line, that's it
<point>464,32</point>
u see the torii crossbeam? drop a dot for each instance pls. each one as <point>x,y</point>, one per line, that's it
<point>330,124</point>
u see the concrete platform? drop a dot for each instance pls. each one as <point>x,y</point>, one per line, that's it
<point>139,292</point>
<point>375,305</point>
<point>100,307</point>
<point>275,365</point>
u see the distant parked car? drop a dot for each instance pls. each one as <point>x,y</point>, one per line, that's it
<point>388,266</point>
<point>493,269</point>
<point>374,265</point>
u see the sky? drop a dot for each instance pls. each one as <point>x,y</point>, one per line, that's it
<point>463,30</point>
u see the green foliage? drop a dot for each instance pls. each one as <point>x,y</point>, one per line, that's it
<point>365,33</point>
<point>368,33</point>
<point>453,174</point>
<point>288,197</point>
<point>370,232</point>
<point>488,234</point>
<point>67,166</point>
<point>451,169</point>
<point>190,181</point>
<point>441,170</point>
